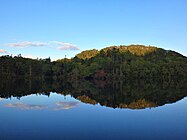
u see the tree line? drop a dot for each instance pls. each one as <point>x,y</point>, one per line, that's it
<point>112,63</point>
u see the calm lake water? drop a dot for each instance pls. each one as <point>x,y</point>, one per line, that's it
<point>80,116</point>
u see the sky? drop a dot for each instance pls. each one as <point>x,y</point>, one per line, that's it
<point>59,28</point>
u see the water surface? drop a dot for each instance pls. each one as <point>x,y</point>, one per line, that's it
<point>82,114</point>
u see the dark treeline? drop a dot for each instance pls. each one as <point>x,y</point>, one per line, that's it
<point>15,67</point>
<point>118,94</point>
<point>112,63</point>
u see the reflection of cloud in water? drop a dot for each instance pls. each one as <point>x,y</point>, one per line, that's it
<point>26,106</point>
<point>58,106</point>
<point>66,105</point>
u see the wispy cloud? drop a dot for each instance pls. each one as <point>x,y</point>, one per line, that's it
<point>27,44</point>
<point>26,106</point>
<point>3,51</point>
<point>59,45</point>
<point>66,46</point>
<point>66,105</point>
<point>29,56</point>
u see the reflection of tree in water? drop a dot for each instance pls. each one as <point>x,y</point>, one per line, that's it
<point>21,87</point>
<point>137,95</point>
<point>133,95</point>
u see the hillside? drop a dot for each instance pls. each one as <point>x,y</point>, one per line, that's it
<point>130,62</point>
<point>134,62</point>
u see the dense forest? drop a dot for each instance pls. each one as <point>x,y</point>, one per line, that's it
<point>112,63</point>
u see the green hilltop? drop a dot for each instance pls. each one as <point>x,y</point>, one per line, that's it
<point>139,50</point>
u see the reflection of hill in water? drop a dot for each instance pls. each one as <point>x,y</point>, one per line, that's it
<point>137,95</point>
<point>127,95</point>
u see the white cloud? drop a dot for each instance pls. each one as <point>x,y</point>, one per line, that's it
<point>29,56</point>
<point>66,46</point>
<point>3,51</point>
<point>72,48</point>
<point>27,44</point>
<point>59,45</point>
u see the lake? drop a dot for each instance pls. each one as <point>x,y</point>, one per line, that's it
<point>87,111</point>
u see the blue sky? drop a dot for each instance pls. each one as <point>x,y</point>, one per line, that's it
<point>55,28</point>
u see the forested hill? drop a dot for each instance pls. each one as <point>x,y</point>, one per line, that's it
<point>134,62</point>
